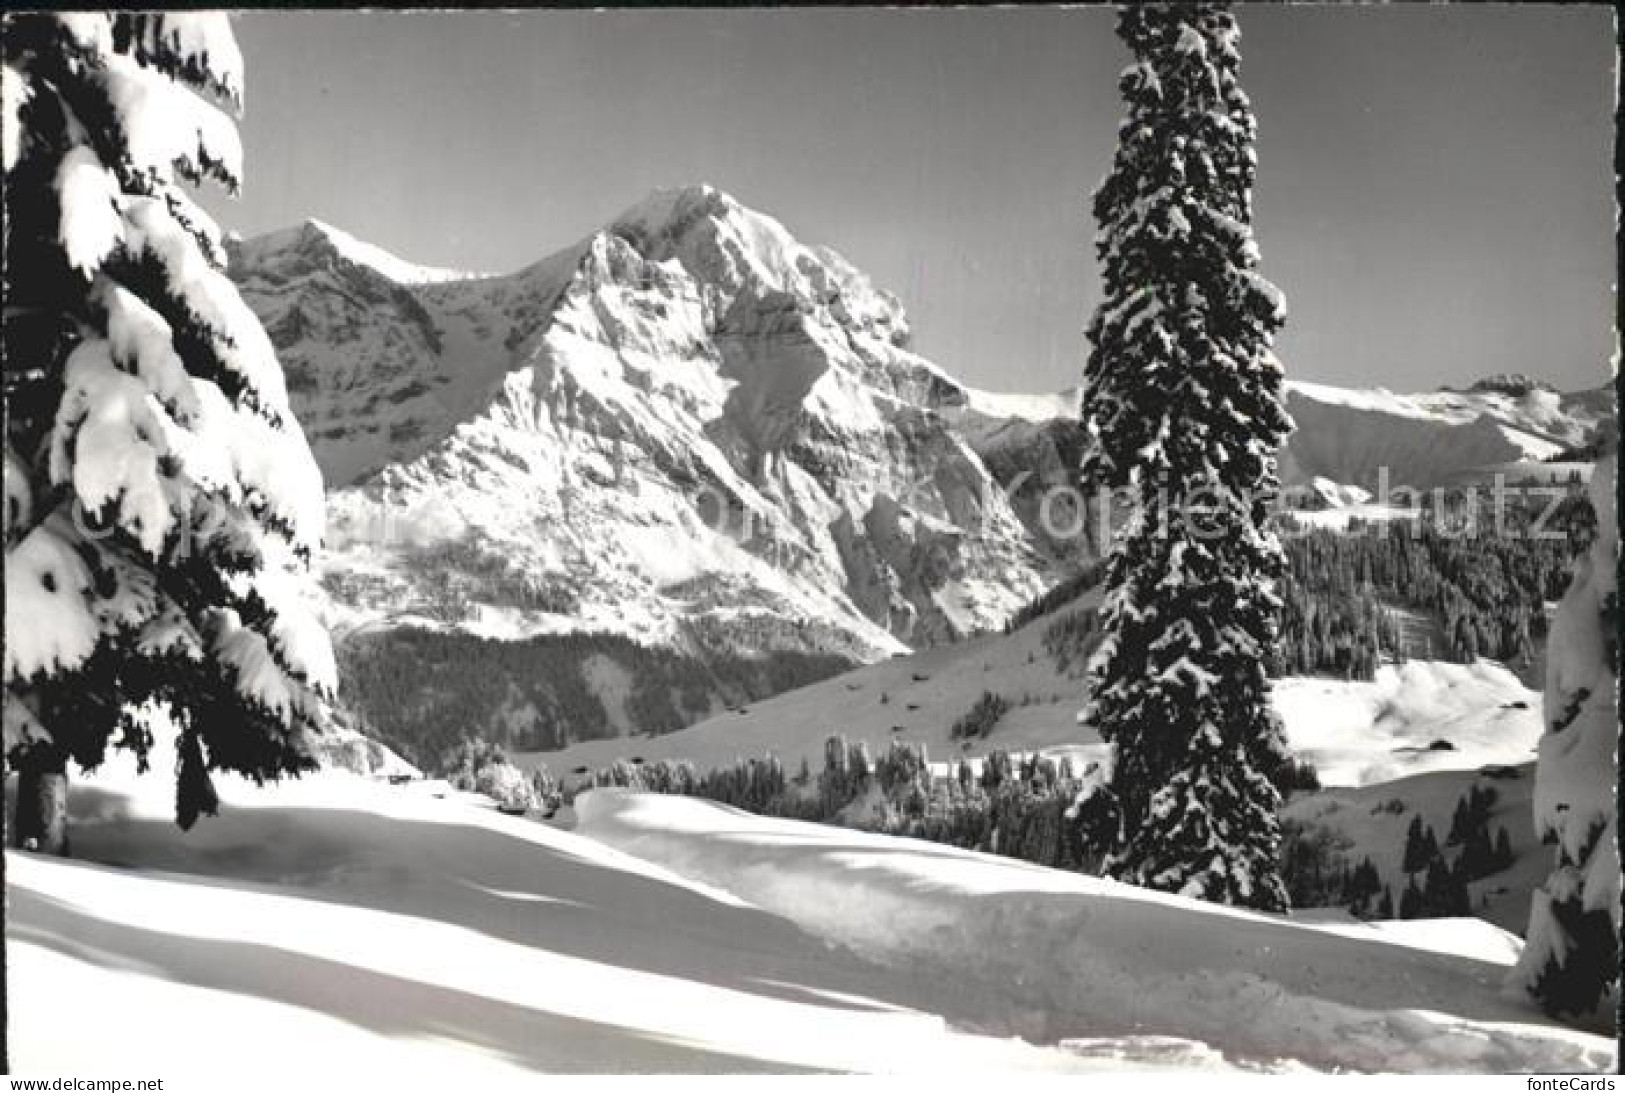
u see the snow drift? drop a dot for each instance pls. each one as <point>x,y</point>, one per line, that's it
<point>380,932</point>
<point>1056,956</point>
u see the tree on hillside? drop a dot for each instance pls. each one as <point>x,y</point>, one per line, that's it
<point>1410,900</point>
<point>160,498</point>
<point>1572,955</point>
<point>1461,824</point>
<point>1183,409</point>
<point>1385,905</point>
<point>1416,853</point>
<point>1502,857</point>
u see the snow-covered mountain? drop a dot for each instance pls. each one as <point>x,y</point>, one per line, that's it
<point>686,420</point>
<point>694,432</point>
<point>1431,439</point>
<point>688,429</point>
<point>1345,436</point>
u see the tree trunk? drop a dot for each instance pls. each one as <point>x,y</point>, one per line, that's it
<point>5,829</point>
<point>42,805</point>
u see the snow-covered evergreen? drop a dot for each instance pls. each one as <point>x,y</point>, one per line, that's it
<point>161,501</point>
<point>1183,408</point>
<point>507,785</point>
<point>1572,955</point>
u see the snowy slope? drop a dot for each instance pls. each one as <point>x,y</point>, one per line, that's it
<point>1005,405</point>
<point>689,428</point>
<point>1360,733</point>
<point>394,931</point>
<point>1422,440</point>
<point>381,932</point>
<point>341,747</point>
<point>1354,732</point>
<point>914,699</point>
<point>1087,960</point>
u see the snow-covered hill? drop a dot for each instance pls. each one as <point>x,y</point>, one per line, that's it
<point>1355,733</point>
<point>688,428</point>
<point>1430,439</point>
<point>388,932</point>
<point>392,931</point>
<point>914,699</point>
<point>1094,963</point>
<point>1413,717</point>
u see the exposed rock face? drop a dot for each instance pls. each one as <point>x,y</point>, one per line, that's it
<point>689,428</point>
<point>1514,384</point>
<point>776,352</point>
<point>1036,461</point>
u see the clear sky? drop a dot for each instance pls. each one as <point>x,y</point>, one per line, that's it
<point>1435,183</point>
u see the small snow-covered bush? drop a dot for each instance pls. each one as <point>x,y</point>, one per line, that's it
<point>462,762</point>
<point>507,785</point>
<point>549,794</point>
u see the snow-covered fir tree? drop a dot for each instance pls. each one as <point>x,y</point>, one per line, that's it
<point>1183,408</point>
<point>1571,955</point>
<point>161,501</point>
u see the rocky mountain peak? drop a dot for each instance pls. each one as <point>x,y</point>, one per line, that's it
<point>314,245</point>
<point>724,244</point>
<point>1514,384</point>
<point>690,429</point>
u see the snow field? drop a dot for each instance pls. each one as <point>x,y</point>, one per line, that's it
<point>388,931</point>
<point>1058,956</point>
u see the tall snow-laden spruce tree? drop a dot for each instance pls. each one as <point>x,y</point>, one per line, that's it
<point>160,499</point>
<point>1572,954</point>
<point>1183,409</point>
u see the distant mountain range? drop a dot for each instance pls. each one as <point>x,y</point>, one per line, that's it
<point>706,443</point>
<point>1345,437</point>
